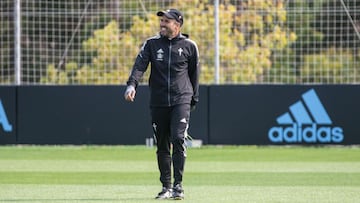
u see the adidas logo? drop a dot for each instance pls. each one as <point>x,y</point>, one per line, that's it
<point>4,122</point>
<point>307,122</point>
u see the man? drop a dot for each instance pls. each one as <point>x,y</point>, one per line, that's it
<point>174,91</point>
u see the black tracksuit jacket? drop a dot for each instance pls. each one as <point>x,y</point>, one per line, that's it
<point>174,77</point>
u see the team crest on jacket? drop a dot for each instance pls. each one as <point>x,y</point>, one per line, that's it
<point>180,50</point>
<point>159,55</point>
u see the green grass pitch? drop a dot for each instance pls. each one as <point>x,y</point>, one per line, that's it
<point>222,174</point>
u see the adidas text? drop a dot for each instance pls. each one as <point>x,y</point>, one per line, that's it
<point>306,133</point>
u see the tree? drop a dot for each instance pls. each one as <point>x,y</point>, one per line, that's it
<point>287,62</point>
<point>337,26</point>
<point>325,51</point>
<point>249,34</point>
<point>6,43</point>
<point>330,66</point>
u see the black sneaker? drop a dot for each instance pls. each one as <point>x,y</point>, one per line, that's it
<point>166,193</point>
<point>178,192</point>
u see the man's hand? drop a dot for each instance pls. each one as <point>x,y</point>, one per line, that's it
<point>193,105</point>
<point>130,93</point>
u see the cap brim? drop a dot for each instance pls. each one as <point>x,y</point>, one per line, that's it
<point>160,13</point>
<point>166,14</point>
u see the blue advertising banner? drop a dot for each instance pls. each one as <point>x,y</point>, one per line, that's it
<point>91,115</point>
<point>270,114</point>
<point>81,115</point>
<point>226,114</point>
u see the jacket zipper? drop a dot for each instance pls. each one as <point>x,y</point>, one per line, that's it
<point>169,69</point>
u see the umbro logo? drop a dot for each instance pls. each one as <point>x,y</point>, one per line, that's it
<point>307,121</point>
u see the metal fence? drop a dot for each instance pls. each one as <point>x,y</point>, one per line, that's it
<point>240,41</point>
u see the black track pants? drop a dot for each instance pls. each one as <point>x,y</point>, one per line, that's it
<point>169,125</point>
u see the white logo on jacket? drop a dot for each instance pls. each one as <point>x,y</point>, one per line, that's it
<point>180,50</point>
<point>159,55</point>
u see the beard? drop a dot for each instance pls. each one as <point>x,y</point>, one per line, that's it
<point>165,31</point>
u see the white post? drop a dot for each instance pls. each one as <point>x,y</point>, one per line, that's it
<point>217,41</point>
<point>17,19</point>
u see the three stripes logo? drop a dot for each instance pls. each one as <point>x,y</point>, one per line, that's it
<point>4,122</point>
<point>307,122</point>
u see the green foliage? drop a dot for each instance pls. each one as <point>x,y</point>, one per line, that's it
<point>6,49</point>
<point>247,38</point>
<point>263,41</point>
<point>305,39</point>
<point>331,66</point>
<point>55,76</point>
<point>106,65</point>
<point>247,42</point>
<point>341,28</point>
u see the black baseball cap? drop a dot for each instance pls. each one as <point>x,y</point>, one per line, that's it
<point>172,14</point>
